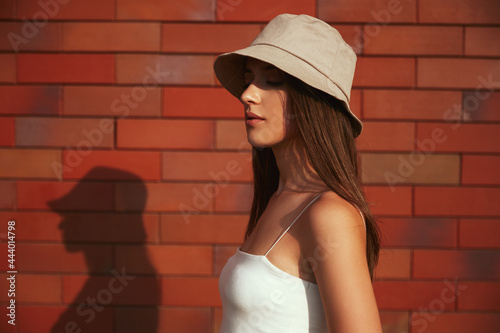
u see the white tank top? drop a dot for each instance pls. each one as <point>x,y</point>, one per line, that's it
<point>259,297</point>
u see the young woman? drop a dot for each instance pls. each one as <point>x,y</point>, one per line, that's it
<point>311,246</point>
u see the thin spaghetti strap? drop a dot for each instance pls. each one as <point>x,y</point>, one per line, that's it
<point>291,224</point>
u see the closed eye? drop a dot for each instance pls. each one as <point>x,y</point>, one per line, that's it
<point>274,83</point>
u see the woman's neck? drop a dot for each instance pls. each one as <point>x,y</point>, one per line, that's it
<point>296,171</point>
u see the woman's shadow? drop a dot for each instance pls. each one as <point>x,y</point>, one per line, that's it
<point>121,292</point>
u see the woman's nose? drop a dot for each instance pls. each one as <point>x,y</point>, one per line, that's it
<point>251,95</point>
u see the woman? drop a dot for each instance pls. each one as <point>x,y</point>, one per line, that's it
<point>311,246</point>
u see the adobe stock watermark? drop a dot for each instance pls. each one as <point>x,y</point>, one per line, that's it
<point>420,321</point>
<point>427,146</point>
<point>224,6</point>
<point>373,28</point>
<point>221,178</point>
<point>31,28</point>
<point>279,296</point>
<point>121,107</point>
<point>87,309</point>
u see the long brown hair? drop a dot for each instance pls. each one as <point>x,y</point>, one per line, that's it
<point>328,134</point>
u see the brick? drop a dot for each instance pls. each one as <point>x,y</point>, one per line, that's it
<point>166,259</point>
<point>216,319</point>
<point>16,36</point>
<point>479,296</point>
<point>384,72</point>
<point>480,41</point>
<point>44,315</point>
<point>28,163</point>
<point>458,73</point>
<point>234,198</point>
<point>459,12</point>
<point>157,10</point>
<point>394,321</point>
<point>77,259</point>
<point>408,295</point>
<point>222,255</point>
<point>458,137</point>
<point>142,164</point>
<point>373,11</point>
<point>3,248</point>
<point>35,100</point>
<point>112,36</point>
<point>353,35</point>
<point>7,194</point>
<point>129,289</point>
<point>66,195</point>
<point>387,201</point>
<point>479,233</point>
<point>190,291</point>
<point>393,264</point>
<point>481,106</point>
<point>102,172</point>
<point>85,227</point>
<point>407,104</point>
<point>35,226</point>
<point>412,168</point>
<point>220,168</point>
<point>67,68</point>
<point>171,197</point>
<point>179,102</point>
<point>59,132</point>
<point>413,40</point>
<point>383,136</point>
<point>206,37</point>
<point>203,229</point>
<point>8,10</point>
<point>8,65</point>
<point>259,10</point>
<point>355,102</point>
<point>459,322</point>
<point>231,134</point>
<point>5,326</point>
<point>7,132</point>
<point>120,102</point>
<point>32,288</point>
<point>480,169</point>
<point>419,232</point>
<point>449,264</point>
<point>69,10</point>
<point>165,69</point>
<point>39,319</point>
<point>159,134</point>
<point>457,201</point>
<point>131,320</point>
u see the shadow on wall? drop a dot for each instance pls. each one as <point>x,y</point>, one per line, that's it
<point>121,292</point>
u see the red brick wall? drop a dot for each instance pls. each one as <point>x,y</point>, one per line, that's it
<point>129,85</point>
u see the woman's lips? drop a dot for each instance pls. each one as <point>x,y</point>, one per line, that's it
<point>252,118</point>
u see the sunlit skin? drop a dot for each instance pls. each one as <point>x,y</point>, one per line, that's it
<point>265,97</point>
<point>327,244</point>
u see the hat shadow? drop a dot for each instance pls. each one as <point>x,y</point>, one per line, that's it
<point>121,290</point>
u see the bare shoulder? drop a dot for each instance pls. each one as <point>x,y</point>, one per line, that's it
<point>331,212</point>
<point>330,222</point>
<point>334,241</point>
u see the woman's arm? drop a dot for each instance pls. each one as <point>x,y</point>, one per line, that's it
<point>336,242</point>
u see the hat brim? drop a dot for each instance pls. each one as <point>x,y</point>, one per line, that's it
<point>229,69</point>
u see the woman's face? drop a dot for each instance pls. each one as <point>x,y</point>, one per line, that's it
<point>267,120</point>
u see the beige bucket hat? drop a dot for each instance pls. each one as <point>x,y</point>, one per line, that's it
<point>302,46</point>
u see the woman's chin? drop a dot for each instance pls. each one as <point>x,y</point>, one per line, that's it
<point>259,144</point>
